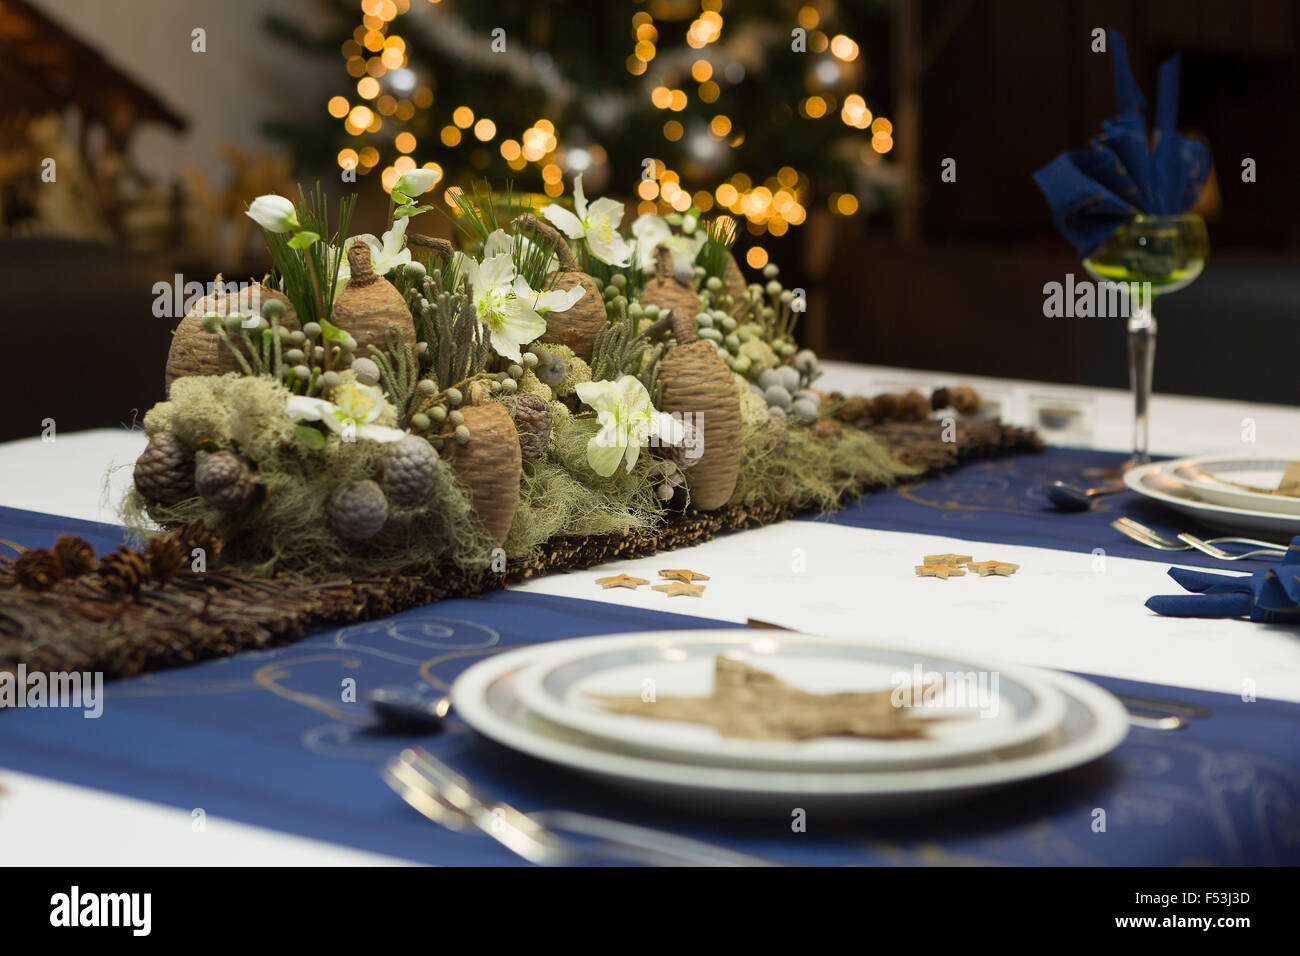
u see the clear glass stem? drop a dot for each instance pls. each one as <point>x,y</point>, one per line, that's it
<point>1141,363</point>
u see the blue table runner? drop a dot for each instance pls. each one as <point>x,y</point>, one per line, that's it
<point>266,737</point>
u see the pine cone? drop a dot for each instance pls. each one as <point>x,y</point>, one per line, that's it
<point>407,470</point>
<point>165,555</point>
<point>225,481</point>
<point>123,572</point>
<point>688,453</point>
<point>37,570</point>
<point>76,556</point>
<point>164,473</point>
<point>914,407</point>
<point>532,415</point>
<point>965,399</point>
<point>197,534</point>
<point>358,510</point>
<point>854,410</point>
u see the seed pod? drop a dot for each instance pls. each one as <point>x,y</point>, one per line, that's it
<point>577,325</point>
<point>695,381</point>
<point>489,466</point>
<point>225,481</point>
<point>358,510</point>
<point>196,352</point>
<point>407,471</point>
<point>370,305</point>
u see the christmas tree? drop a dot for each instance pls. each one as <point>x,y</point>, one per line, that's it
<point>758,109</point>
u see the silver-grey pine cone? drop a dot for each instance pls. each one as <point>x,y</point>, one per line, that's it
<point>407,470</point>
<point>358,510</point>
<point>225,481</point>
<point>532,415</point>
<point>687,454</point>
<point>164,473</point>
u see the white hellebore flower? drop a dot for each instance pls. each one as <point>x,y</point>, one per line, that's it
<point>556,300</point>
<point>386,254</point>
<point>413,182</point>
<point>650,230</point>
<point>627,421</point>
<point>273,213</point>
<point>597,223</point>
<point>504,303</point>
<point>353,412</point>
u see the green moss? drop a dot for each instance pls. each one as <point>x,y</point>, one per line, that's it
<point>809,472</point>
<point>561,495</point>
<point>287,527</point>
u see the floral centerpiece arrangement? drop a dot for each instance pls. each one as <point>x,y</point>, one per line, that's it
<point>398,401</point>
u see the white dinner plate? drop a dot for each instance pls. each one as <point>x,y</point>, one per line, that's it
<point>1094,724</point>
<point>1237,482</point>
<point>1157,482</point>
<point>986,705</point>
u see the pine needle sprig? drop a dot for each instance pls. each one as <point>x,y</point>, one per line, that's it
<point>719,237</point>
<point>448,321</point>
<point>399,374</point>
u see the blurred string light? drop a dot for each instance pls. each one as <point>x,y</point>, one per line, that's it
<point>389,93</point>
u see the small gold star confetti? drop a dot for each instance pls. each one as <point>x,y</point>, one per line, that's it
<point>985,568</point>
<point>954,559</point>
<point>621,581</point>
<point>678,588</point>
<point>944,571</point>
<point>681,574</point>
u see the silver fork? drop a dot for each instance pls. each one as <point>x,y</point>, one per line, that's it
<point>447,798</point>
<point>1209,548</point>
<point>1154,539</point>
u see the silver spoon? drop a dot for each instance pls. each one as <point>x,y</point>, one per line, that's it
<point>1069,498</point>
<point>401,708</point>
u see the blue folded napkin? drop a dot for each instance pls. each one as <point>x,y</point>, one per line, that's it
<point>1270,597</point>
<point>1094,191</point>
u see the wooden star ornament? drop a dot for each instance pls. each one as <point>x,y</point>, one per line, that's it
<point>750,703</point>
<point>681,574</point>
<point>986,568</point>
<point>944,571</point>
<point>621,581</point>
<point>679,588</point>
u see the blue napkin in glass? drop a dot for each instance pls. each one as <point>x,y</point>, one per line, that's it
<point>1094,191</point>
<point>1269,597</point>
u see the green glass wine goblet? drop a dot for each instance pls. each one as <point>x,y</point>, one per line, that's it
<point>1148,256</point>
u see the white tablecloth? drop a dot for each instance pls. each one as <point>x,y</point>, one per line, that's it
<point>1058,611</point>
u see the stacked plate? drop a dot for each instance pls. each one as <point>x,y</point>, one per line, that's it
<point>993,725</point>
<point>1236,493</point>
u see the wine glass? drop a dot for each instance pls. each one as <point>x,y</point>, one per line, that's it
<point>1151,255</point>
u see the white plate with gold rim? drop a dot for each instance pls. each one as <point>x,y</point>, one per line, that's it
<point>983,705</point>
<point>1237,482</point>
<point>1156,481</point>
<point>1094,724</point>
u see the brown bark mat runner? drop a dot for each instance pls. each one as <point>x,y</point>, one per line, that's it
<point>137,611</point>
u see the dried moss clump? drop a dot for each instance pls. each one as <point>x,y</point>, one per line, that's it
<point>809,472</point>
<point>561,495</point>
<point>286,527</point>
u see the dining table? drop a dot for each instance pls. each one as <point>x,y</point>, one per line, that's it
<point>264,757</point>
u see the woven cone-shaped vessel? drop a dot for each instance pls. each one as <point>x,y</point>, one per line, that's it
<point>195,352</point>
<point>369,305</point>
<point>577,325</point>
<point>490,466</point>
<point>733,280</point>
<point>666,292</point>
<point>695,381</point>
